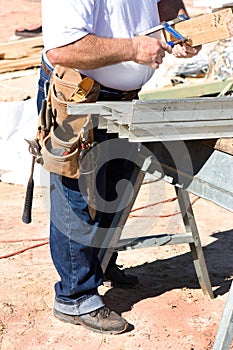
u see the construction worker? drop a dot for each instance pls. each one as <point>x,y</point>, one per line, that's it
<point>98,39</point>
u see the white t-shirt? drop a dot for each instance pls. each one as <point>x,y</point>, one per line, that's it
<point>65,21</point>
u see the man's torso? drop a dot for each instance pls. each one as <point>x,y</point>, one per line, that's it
<point>66,21</point>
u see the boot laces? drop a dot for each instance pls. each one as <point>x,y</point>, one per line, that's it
<point>104,312</point>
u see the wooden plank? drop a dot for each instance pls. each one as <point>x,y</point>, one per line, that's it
<point>22,63</point>
<point>20,54</point>
<point>195,247</point>
<point>112,127</point>
<point>155,240</point>
<point>123,132</point>
<point>168,111</point>
<point>199,88</point>
<point>100,107</point>
<point>180,131</point>
<point>182,110</point>
<point>224,144</point>
<point>21,48</point>
<point>206,28</point>
<point>144,111</point>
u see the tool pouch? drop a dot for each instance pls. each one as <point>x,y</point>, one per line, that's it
<point>63,137</point>
<point>61,157</point>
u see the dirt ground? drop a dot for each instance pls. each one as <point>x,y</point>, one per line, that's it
<point>167,310</point>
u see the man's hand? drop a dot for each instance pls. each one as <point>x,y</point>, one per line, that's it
<point>185,51</point>
<point>150,51</point>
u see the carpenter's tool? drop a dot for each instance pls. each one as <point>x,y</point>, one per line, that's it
<point>180,38</point>
<point>34,149</point>
<point>173,43</point>
<point>161,25</point>
<point>167,26</point>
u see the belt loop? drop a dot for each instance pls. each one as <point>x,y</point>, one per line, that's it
<point>46,88</point>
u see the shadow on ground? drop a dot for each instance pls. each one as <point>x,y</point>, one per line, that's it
<point>177,272</point>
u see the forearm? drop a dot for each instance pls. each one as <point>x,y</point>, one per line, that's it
<point>170,9</point>
<point>92,52</point>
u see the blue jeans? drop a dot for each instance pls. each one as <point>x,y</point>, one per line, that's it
<point>73,231</point>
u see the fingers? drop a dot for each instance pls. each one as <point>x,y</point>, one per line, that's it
<point>150,51</point>
<point>160,54</point>
<point>157,59</point>
<point>185,51</point>
<point>166,47</point>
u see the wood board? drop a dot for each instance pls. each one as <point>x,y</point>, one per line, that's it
<point>224,144</point>
<point>20,54</point>
<point>190,89</point>
<point>205,28</point>
<point>164,120</point>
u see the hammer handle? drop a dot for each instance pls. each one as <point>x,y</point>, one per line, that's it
<point>27,211</point>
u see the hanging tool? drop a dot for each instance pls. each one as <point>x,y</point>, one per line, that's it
<point>34,149</point>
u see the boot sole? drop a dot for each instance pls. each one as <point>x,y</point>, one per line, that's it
<point>75,320</point>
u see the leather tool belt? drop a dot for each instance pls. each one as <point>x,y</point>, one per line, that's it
<point>64,138</point>
<point>63,141</point>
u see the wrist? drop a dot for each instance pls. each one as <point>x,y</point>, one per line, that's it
<point>134,48</point>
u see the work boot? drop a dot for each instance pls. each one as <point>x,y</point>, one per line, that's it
<point>101,321</point>
<point>119,278</point>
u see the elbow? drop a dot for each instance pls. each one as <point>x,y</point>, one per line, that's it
<point>54,57</point>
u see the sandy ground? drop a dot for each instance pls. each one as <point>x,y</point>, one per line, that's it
<point>167,310</point>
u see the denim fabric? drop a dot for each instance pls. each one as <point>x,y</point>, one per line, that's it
<point>82,306</point>
<point>43,84</point>
<point>73,232</point>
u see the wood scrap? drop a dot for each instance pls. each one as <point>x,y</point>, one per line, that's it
<point>206,28</point>
<point>193,88</point>
<point>224,144</point>
<point>20,54</point>
<point>19,64</point>
<point>20,47</point>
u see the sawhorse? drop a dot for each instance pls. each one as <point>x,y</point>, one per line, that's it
<point>201,170</point>
<point>191,236</point>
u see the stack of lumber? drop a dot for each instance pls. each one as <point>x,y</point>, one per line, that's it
<point>163,120</point>
<point>20,54</point>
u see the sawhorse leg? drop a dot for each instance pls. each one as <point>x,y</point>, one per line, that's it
<point>225,331</point>
<point>195,246</point>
